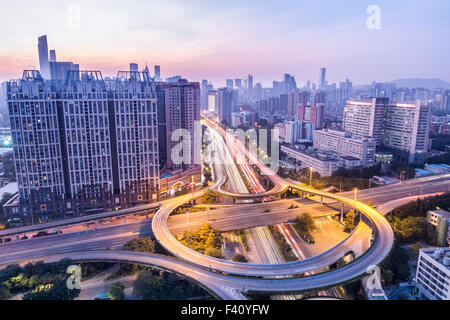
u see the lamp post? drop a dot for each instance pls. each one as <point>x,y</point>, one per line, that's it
<point>310,176</point>
<point>354,208</point>
<point>187,226</point>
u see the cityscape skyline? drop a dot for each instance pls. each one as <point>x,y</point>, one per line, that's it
<point>255,150</point>
<point>215,42</point>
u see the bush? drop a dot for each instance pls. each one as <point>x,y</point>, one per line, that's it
<point>117,291</point>
<point>141,245</point>
<point>240,258</point>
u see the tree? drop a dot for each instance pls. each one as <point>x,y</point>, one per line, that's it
<point>410,228</point>
<point>52,291</point>
<point>117,291</point>
<point>4,293</point>
<point>240,258</point>
<point>140,245</point>
<point>305,224</point>
<point>209,197</point>
<point>388,276</point>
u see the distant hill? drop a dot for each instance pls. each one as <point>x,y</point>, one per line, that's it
<point>422,83</point>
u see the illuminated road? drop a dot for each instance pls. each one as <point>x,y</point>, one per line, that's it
<point>233,285</point>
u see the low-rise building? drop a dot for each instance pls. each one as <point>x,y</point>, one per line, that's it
<point>346,144</point>
<point>441,220</point>
<point>325,163</point>
<point>433,274</point>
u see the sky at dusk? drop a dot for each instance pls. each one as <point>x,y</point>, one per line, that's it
<point>215,40</point>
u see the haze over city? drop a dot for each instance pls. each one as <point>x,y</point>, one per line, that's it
<point>228,39</point>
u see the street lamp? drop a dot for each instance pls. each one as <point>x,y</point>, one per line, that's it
<point>354,208</point>
<point>187,226</point>
<point>310,176</point>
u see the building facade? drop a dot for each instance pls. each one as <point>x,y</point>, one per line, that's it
<point>433,273</point>
<point>441,220</point>
<point>402,128</point>
<point>83,144</point>
<point>365,118</point>
<point>182,107</point>
<point>345,144</point>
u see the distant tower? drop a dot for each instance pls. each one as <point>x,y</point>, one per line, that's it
<point>158,73</point>
<point>147,71</point>
<point>52,56</point>
<point>43,57</point>
<point>322,77</point>
<point>134,67</point>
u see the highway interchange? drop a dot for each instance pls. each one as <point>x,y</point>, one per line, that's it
<point>228,279</point>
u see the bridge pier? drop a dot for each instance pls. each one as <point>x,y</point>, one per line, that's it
<point>342,211</point>
<point>321,200</point>
<point>125,219</point>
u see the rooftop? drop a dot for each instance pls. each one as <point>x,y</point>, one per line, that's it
<point>442,213</point>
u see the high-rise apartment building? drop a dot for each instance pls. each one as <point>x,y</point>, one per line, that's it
<point>43,57</point>
<point>60,70</point>
<point>294,99</point>
<point>83,144</point>
<point>227,100</point>
<point>407,130</point>
<point>311,114</point>
<point>182,105</point>
<point>402,127</point>
<point>365,118</point>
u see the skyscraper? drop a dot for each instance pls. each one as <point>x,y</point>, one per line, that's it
<point>406,130</point>
<point>229,83</point>
<point>43,57</point>
<point>89,144</point>
<point>322,77</point>
<point>182,104</point>
<point>365,118</point>
<point>226,104</point>
<point>158,73</point>
<point>52,56</point>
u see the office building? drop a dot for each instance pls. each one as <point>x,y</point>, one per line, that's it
<point>43,57</point>
<point>158,73</point>
<point>343,143</point>
<point>433,274</point>
<point>322,77</point>
<point>82,144</point>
